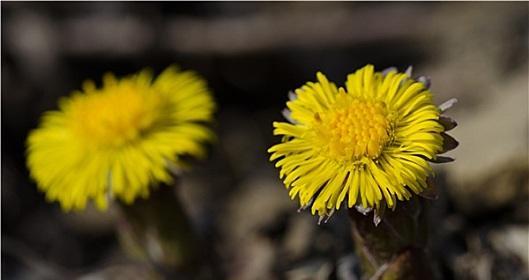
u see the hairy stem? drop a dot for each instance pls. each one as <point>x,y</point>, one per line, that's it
<point>396,248</point>
<point>158,231</point>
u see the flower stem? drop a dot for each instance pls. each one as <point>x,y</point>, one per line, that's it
<point>157,230</point>
<point>396,248</point>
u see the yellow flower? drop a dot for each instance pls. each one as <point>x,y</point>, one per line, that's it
<point>118,140</point>
<point>365,144</point>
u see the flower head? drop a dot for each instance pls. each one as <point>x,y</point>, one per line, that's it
<point>367,144</point>
<point>118,140</point>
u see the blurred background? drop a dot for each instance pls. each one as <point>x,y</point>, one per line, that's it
<point>252,54</point>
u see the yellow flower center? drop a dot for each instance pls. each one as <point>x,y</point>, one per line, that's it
<point>115,115</point>
<point>353,128</point>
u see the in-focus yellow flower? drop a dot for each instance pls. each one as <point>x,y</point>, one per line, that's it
<point>367,144</point>
<point>120,139</point>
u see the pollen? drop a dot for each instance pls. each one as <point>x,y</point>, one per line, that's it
<point>115,117</point>
<point>353,128</point>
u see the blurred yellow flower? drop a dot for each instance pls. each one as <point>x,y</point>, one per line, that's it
<point>118,140</point>
<point>370,141</point>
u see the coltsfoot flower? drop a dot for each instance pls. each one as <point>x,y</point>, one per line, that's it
<point>366,145</point>
<point>120,139</point>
